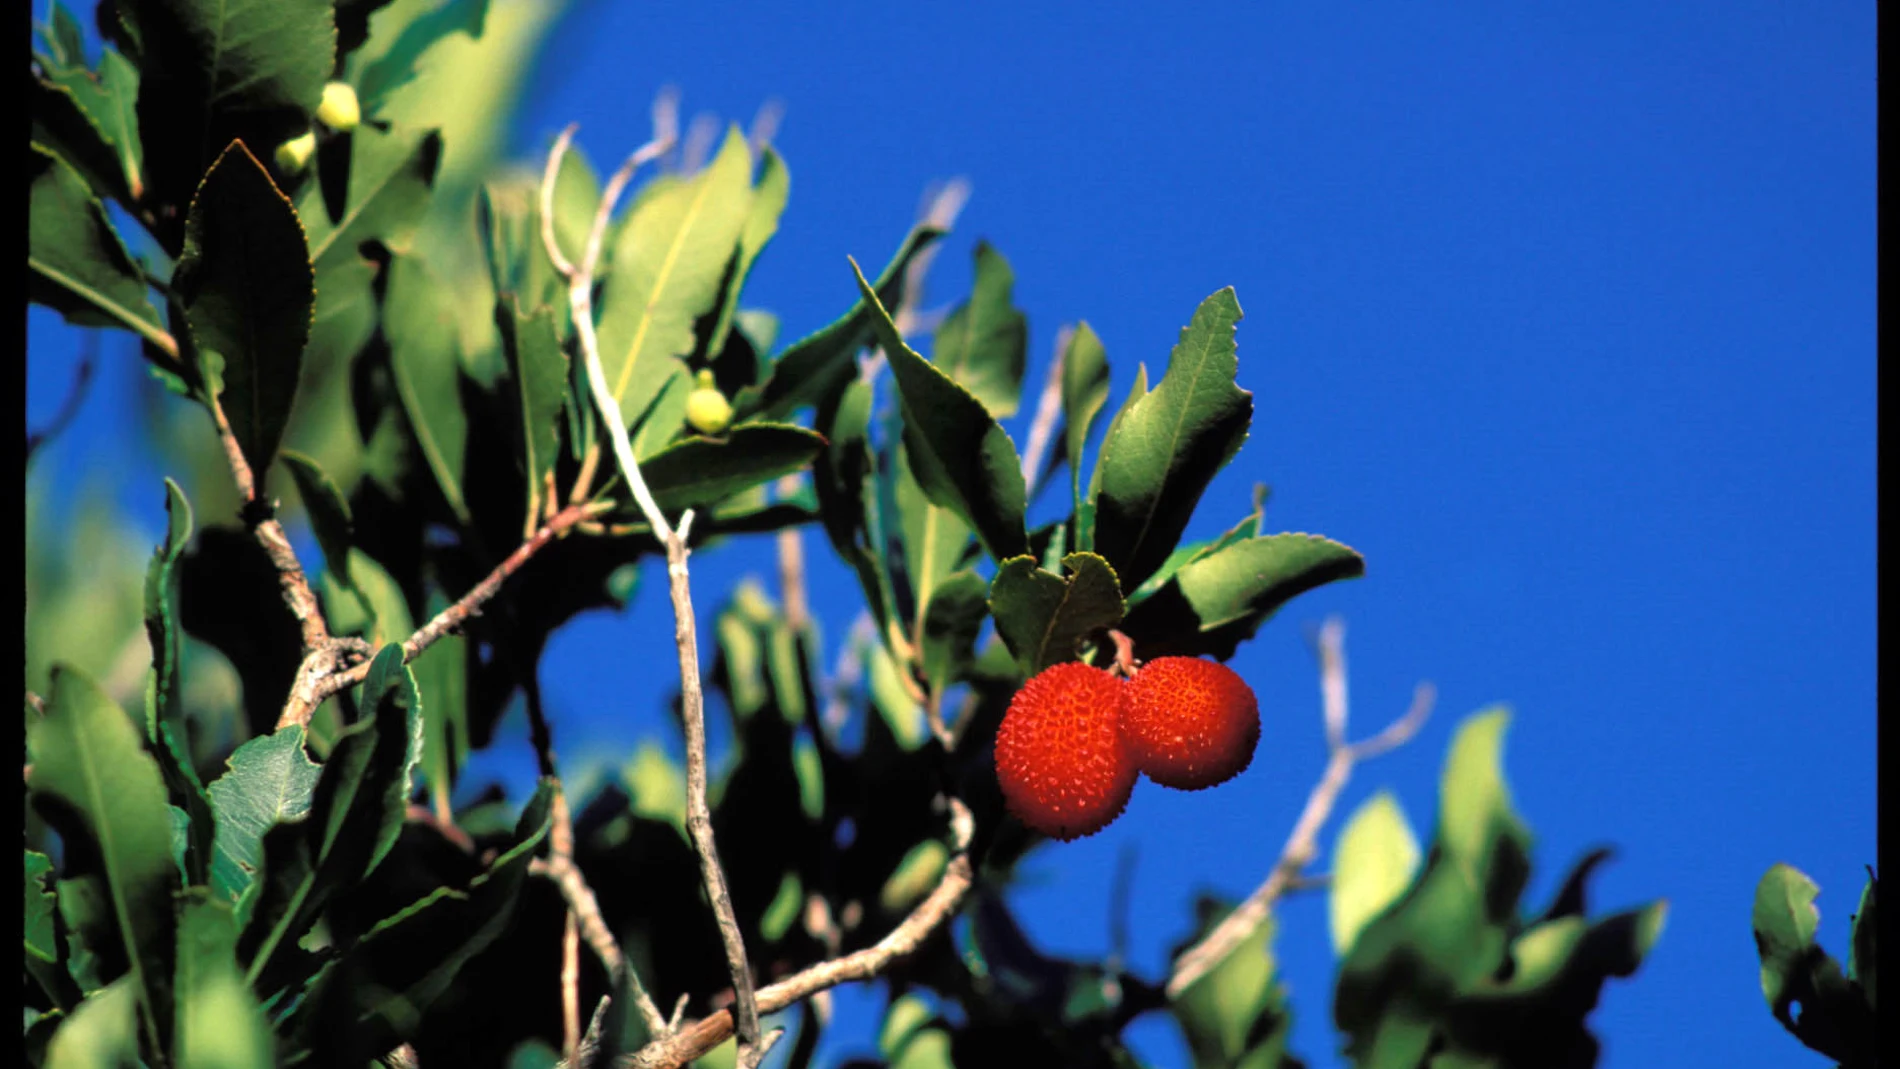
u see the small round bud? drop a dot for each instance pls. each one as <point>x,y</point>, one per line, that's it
<point>294,155</point>
<point>339,110</point>
<point>707,410</point>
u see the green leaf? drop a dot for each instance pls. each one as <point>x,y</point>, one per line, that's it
<point>1373,864</point>
<point>769,194</point>
<point>164,715</point>
<point>356,813</point>
<point>219,1023</point>
<point>381,68</point>
<point>914,877</point>
<point>934,538</point>
<point>392,175</point>
<point>698,472</point>
<point>1085,515</point>
<point>818,365</point>
<point>1084,392</point>
<point>1785,921</point>
<point>248,293</point>
<point>539,370</point>
<point>79,266</point>
<point>1214,602</point>
<point>1167,446</point>
<point>955,614</point>
<point>1475,815</point>
<point>267,781</point>
<point>843,480</point>
<point>373,997</point>
<point>670,258</point>
<point>100,1034</point>
<point>1043,617</point>
<point>983,343</point>
<point>1862,959</point>
<point>1237,1014</point>
<point>329,512</point>
<point>45,946</point>
<point>418,322</point>
<point>94,783</point>
<point>442,681</point>
<point>373,608</point>
<point>214,73</point>
<point>664,418</point>
<point>963,460</point>
<point>63,122</point>
<point>1182,555</point>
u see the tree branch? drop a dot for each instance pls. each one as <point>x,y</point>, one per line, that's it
<point>1303,844</point>
<point>942,903</point>
<point>1048,407</point>
<point>457,615</point>
<point>692,698</point>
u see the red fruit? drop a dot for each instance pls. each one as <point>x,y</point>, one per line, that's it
<point>1059,756</point>
<point>1189,723</point>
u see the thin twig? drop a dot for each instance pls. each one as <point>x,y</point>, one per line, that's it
<point>585,909</point>
<point>1303,844</point>
<point>323,655</point>
<point>571,989</point>
<point>1042,427</point>
<point>692,699</point>
<point>941,904</point>
<point>765,124</point>
<point>457,615</point>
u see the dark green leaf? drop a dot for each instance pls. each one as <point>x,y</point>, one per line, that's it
<point>391,177</point>
<point>442,681</point>
<point>248,292</point>
<point>1085,515</point>
<point>214,73</point>
<point>1215,601</point>
<point>371,998</point>
<point>79,266</point>
<point>65,124</point>
<point>1245,529</point>
<point>418,321</point>
<point>1167,446</point>
<point>954,616</point>
<point>1084,392</point>
<point>356,812</point>
<point>670,258</point>
<point>1862,959</point>
<point>268,781</point>
<point>934,538</point>
<point>45,949</point>
<point>842,479</point>
<point>329,513</point>
<point>768,203</point>
<point>1044,617</point>
<point>961,458</point>
<point>164,715</point>
<point>819,364</point>
<point>219,1023</point>
<point>983,343</point>
<point>698,472</point>
<point>94,783</point>
<point>539,370</point>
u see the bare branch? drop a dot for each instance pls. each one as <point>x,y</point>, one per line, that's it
<point>765,124</point>
<point>930,914</point>
<point>692,698</point>
<point>571,989</point>
<point>548,177</point>
<point>457,615</point>
<point>1302,845</point>
<point>791,563</point>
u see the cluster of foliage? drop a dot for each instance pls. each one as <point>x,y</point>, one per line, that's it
<point>216,883</point>
<point>1828,1010</point>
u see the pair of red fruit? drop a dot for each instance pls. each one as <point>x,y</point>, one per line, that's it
<point>1075,735</point>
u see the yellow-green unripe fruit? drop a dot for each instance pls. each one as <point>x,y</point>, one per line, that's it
<point>339,110</point>
<point>707,410</point>
<point>294,155</point>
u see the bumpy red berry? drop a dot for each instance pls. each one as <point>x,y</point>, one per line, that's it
<point>1189,723</point>
<point>1059,754</point>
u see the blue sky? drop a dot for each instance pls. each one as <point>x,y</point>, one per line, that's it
<point>1565,319</point>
